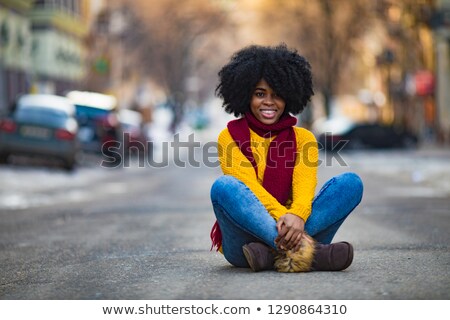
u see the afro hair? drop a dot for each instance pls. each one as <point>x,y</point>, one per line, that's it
<point>287,73</point>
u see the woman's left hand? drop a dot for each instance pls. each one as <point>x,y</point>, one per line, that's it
<point>290,229</point>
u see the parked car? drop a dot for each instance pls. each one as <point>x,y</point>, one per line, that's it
<point>40,125</point>
<point>134,137</point>
<point>367,136</point>
<point>97,118</point>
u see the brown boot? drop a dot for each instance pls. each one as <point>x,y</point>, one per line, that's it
<point>332,257</point>
<point>259,256</point>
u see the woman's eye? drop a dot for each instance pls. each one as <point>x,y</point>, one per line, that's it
<point>259,94</point>
<point>275,96</point>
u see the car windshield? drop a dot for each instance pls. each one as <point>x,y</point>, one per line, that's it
<point>90,112</point>
<point>87,116</point>
<point>41,115</point>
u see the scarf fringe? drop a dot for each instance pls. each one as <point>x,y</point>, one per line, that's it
<point>216,237</point>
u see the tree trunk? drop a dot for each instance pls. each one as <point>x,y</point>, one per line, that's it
<point>327,99</point>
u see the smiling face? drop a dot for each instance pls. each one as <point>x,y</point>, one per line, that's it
<point>265,104</point>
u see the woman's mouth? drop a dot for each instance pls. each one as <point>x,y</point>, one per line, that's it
<point>268,113</point>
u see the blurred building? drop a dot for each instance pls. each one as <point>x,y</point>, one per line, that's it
<point>58,53</point>
<point>407,56</point>
<point>15,50</point>
<point>441,24</point>
<point>42,47</point>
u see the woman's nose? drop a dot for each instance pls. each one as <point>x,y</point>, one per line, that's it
<point>269,99</point>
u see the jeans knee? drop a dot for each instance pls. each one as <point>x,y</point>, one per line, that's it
<point>222,185</point>
<point>353,183</point>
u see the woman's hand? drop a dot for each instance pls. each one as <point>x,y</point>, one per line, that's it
<point>290,232</point>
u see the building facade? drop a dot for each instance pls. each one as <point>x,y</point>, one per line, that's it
<point>15,50</point>
<point>442,49</point>
<point>42,47</point>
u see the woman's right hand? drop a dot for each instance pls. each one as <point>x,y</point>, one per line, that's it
<point>290,229</point>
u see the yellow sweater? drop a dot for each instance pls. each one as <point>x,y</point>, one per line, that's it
<point>304,180</point>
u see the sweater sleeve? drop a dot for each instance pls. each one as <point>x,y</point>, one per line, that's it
<point>234,163</point>
<point>304,180</point>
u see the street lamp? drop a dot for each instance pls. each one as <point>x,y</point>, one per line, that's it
<point>4,39</point>
<point>385,60</point>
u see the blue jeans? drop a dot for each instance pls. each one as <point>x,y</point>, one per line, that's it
<point>243,219</point>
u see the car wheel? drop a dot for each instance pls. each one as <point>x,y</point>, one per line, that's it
<point>409,143</point>
<point>69,165</point>
<point>4,158</point>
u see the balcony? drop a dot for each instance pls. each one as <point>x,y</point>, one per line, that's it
<point>19,5</point>
<point>62,20</point>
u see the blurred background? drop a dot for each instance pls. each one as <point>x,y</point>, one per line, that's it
<point>383,62</point>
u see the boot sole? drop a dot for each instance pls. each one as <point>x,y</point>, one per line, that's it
<point>249,258</point>
<point>350,256</point>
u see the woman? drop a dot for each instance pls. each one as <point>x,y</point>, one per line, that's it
<point>264,204</point>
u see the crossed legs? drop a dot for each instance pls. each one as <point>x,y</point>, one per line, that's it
<point>243,219</point>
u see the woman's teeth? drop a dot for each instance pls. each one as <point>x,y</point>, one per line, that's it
<point>268,113</point>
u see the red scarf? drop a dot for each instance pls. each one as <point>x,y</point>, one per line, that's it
<point>280,157</point>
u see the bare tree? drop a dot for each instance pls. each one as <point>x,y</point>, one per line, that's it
<point>325,31</point>
<point>170,31</point>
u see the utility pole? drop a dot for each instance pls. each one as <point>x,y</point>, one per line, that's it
<point>3,101</point>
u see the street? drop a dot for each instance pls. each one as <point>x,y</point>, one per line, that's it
<point>143,233</point>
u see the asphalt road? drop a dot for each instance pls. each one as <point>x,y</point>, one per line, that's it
<point>143,233</point>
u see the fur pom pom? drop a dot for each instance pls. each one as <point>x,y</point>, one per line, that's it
<point>299,261</point>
